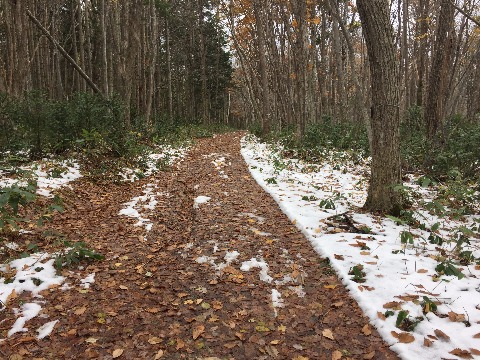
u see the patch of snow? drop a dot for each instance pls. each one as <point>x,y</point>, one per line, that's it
<point>89,279</point>
<point>200,200</point>
<point>27,312</point>
<point>254,263</point>
<point>392,269</point>
<point>46,329</point>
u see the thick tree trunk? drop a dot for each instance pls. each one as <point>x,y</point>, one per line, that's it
<point>385,119</point>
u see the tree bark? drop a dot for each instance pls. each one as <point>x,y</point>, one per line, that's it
<point>438,78</point>
<point>385,118</point>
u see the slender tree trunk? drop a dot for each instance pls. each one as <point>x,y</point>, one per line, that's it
<point>259,21</point>
<point>438,78</point>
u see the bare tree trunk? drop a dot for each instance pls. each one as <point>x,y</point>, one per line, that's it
<point>385,118</point>
<point>259,21</point>
<point>438,78</point>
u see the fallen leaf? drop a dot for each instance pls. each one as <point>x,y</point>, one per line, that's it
<point>338,257</point>
<point>427,342</point>
<point>422,271</point>
<point>366,330</point>
<point>299,357</point>
<point>369,356</point>
<point>117,353</point>
<point>464,354</point>
<point>11,297</point>
<point>262,328</point>
<point>338,304</point>
<point>381,316</point>
<point>441,334</point>
<point>332,286</point>
<point>476,336</point>
<point>364,253</point>
<point>404,337</point>
<point>80,311</point>
<point>328,334</point>
<point>154,340</point>
<point>282,328</point>
<point>91,340</point>
<point>153,310</point>
<point>337,355</point>
<point>392,305</point>
<point>453,316</point>
<point>159,354</point>
<point>123,287</point>
<point>180,344</point>
<point>217,305</point>
<point>275,342</point>
<point>197,331</point>
<point>475,351</point>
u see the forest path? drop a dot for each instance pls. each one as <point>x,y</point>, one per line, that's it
<point>222,274</point>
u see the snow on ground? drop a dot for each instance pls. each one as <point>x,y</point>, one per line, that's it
<point>50,175</point>
<point>389,275</point>
<point>164,155</point>
<point>200,200</point>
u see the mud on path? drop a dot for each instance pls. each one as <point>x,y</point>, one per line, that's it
<point>223,274</point>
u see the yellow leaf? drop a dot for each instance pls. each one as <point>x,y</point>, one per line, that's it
<point>262,328</point>
<point>188,302</point>
<point>332,286</point>
<point>328,334</point>
<point>154,340</point>
<point>282,328</point>
<point>117,353</point>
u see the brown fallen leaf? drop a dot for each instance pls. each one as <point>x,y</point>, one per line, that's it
<point>464,354</point>
<point>441,334</point>
<point>11,297</point>
<point>422,271</point>
<point>123,287</point>
<point>475,352</point>
<point>392,305</point>
<point>339,257</point>
<point>453,316</point>
<point>180,344</point>
<point>117,353</point>
<point>366,330</point>
<point>153,310</point>
<point>427,342</point>
<point>159,355</point>
<point>369,356</point>
<point>403,337</point>
<point>328,334</point>
<point>337,355</point>
<point>381,316</point>
<point>197,331</point>
<point>338,304</point>
<point>476,336</point>
<point>364,253</point>
<point>80,311</point>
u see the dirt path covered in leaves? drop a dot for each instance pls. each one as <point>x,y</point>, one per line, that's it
<point>222,274</point>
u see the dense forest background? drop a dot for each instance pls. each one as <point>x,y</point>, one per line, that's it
<point>75,68</point>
